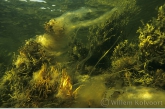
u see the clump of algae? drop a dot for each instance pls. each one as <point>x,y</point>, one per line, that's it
<point>142,64</point>
<point>124,62</point>
<point>35,79</point>
<point>152,46</point>
<point>137,70</point>
<point>124,56</point>
<point>152,36</point>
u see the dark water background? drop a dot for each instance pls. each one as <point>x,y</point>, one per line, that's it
<point>21,20</point>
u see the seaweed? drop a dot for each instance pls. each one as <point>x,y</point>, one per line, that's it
<point>35,79</point>
<point>141,65</point>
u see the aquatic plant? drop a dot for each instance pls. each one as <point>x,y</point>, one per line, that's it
<point>124,56</point>
<point>144,64</point>
<point>152,46</point>
<point>65,90</point>
<point>152,36</point>
<point>124,63</point>
<point>104,36</point>
<point>55,28</point>
<point>35,78</point>
<point>159,78</point>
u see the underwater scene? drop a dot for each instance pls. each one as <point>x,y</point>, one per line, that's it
<point>82,53</point>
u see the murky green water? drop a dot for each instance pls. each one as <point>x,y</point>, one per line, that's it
<point>78,53</point>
